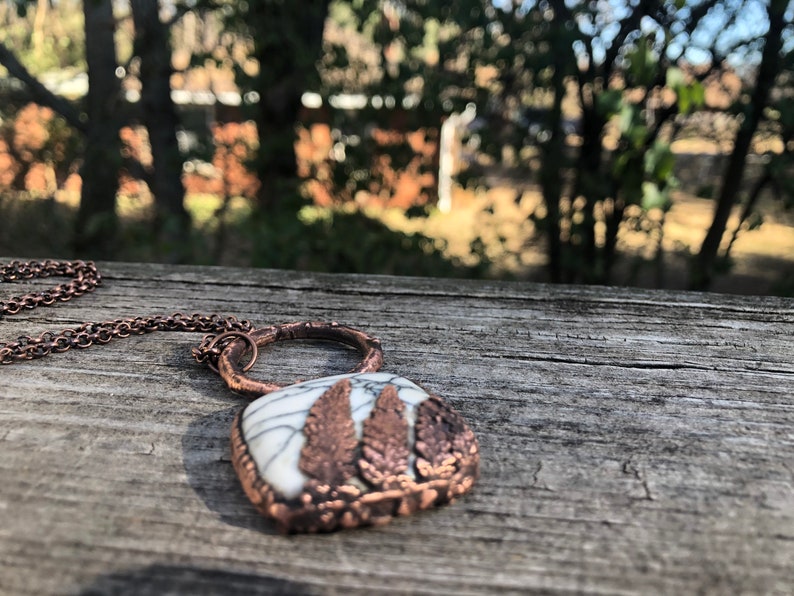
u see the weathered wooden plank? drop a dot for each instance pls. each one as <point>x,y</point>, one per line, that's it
<point>632,441</point>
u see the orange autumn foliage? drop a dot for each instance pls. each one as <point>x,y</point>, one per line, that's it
<point>31,150</point>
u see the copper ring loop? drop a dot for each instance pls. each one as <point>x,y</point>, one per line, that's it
<point>228,361</point>
<point>242,335</point>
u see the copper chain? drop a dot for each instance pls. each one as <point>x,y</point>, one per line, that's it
<point>86,278</point>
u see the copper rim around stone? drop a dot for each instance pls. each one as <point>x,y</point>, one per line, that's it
<point>354,482</point>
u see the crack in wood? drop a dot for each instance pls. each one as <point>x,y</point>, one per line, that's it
<point>592,362</point>
<point>536,482</point>
<point>631,469</point>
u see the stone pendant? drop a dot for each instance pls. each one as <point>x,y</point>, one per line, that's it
<point>351,450</point>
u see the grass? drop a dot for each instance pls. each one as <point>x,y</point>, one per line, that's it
<point>487,233</point>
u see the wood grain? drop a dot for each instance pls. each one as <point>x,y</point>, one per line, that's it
<point>632,441</point>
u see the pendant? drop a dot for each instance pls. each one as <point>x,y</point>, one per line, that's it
<point>346,450</point>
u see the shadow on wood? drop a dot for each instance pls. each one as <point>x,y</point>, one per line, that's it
<point>205,454</point>
<point>158,579</point>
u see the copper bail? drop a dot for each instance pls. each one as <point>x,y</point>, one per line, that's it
<point>234,377</point>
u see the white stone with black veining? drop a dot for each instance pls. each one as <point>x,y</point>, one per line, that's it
<point>272,425</point>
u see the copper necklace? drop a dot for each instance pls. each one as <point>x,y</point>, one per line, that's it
<point>335,452</point>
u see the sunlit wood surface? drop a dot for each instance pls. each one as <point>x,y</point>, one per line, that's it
<point>632,442</point>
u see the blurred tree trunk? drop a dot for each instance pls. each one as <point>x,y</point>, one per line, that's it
<point>97,223</point>
<point>703,264</point>
<point>553,150</point>
<point>161,121</point>
<point>287,38</point>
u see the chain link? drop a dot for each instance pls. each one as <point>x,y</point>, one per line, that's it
<point>86,279</point>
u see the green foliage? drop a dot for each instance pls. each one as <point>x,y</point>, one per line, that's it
<point>609,102</point>
<point>338,240</point>
<point>659,162</point>
<point>46,37</point>
<point>643,63</point>
<point>29,222</point>
<point>691,95</point>
<point>655,198</point>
